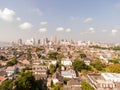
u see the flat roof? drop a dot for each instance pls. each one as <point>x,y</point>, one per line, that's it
<point>111,76</point>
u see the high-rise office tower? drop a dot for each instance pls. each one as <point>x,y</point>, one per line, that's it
<point>19,42</point>
<point>54,39</point>
<point>39,41</point>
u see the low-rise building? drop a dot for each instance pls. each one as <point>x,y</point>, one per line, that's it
<point>39,69</point>
<point>73,84</point>
<point>115,77</point>
<point>11,70</point>
<point>105,81</point>
<point>86,61</point>
<point>66,62</point>
<point>69,74</point>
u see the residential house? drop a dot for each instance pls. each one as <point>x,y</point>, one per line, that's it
<point>69,74</point>
<point>39,69</point>
<point>86,60</point>
<point>73,84</point>
<point>11,70</point>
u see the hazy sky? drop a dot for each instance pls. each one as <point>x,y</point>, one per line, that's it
<point>96,20</point>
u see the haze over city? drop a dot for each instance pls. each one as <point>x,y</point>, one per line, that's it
<point>69,19</point>
<point>60,45</point>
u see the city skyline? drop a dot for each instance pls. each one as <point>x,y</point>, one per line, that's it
<point>73,19</point>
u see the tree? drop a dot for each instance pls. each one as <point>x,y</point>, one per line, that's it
<point>6,85</point>
<point>65,80</point>
<point>59,56</point>
<point>115,60</point>
<point>58,64</point>
<point>82,55</point>
<point>115,68</point>
<point>86,86</point>
<point>98,47</point>
<point>29,55</point>
<point>80,65</point>
<point>39,55</point>
<point>52,55</point>
<point>39,49</point>
<point>3,58</point>
<point>98,65</point>
<point>39,85</point>
<point>84,72</point>
<point>25,82</point>
<point>116,48</point>
<point>12,62</point>
<point>52,68</point>
<point>26,68</point>
<point>57,86</point>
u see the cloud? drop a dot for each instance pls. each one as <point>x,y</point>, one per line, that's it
<point>44,23</point>
<point>18,19</point>
<point>38,11</point>
<point>114,31</point>
<point>26,25</point>
<point>43,30</point>
<point>91,30</point>
<point>7,14</point>
<point>88,20</point>
<point>68,30</point>
<point>59,29</point>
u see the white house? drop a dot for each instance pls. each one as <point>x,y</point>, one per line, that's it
<point>11,70</point>
<point>87,61</point>
<point>67,62</point>
<point>69,74</point>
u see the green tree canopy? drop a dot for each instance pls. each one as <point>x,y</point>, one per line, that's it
<point>82,55</point>
<point>80,65</point>
<point>25,82</point>
<point>86,86</point>
<point>52,68</point>
<point>29,55</point>
<point>114,68</point>
<point>3,58</point>
<point>52,55</point>
<point>115,60</point>
<point>116,48</point>
<point>57,86</point>
<point>98,65</point>
<point>12,62</point>
<point>6,85</point>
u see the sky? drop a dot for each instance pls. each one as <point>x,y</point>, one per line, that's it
<point>94,20</point>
